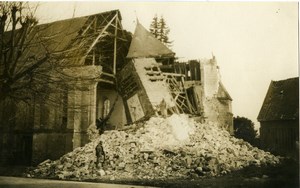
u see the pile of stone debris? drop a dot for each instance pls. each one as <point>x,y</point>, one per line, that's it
<point>173,147</point>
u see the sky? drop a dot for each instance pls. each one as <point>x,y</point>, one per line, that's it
<point>253,42</point>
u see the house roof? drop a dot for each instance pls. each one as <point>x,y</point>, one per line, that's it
<point>281,101</point>
<point>65,39</point>
<point>144,44</point>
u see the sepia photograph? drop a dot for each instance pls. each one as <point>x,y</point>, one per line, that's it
<point>149,94</point>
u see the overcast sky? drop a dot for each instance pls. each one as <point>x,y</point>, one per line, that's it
<point>254,43</point>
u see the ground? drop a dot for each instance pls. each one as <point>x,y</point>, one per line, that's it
<point>284,175</point>
<point>14,182</point>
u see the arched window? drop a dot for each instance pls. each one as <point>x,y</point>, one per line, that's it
<point>106,107</point>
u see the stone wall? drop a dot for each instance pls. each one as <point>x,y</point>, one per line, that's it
<point>211,77</point>
<point>15,132</point>
<point>215,108</point>
<point>60,125</point>
<point>47,145</point>
<point>132,89</point>
<point>82,102</point>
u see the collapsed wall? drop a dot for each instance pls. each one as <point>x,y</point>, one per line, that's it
<point>174,147</point>
<point>216,100</point>
<point>143,88</point>
<point>153,81</point>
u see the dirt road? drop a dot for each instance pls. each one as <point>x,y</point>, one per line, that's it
<point>12,182</point>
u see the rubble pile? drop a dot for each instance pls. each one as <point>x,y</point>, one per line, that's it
<point>174,147</point>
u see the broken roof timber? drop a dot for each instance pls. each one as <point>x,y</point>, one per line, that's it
<point>100,34</point>
<point>66,40</point>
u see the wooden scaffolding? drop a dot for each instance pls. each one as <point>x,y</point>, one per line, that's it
<point>176,86</point>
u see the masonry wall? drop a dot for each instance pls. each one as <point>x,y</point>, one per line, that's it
<point>211,77</point>
<point>48,128</point>
<point>15,132</point>
<point>134,95</point>
<point>219,111</point>
<point>50,145</point>
<point>81,112</point>
<point>50,138</point>
<point>225,116</point>
<point>214,109</point>
<point>32,128</point>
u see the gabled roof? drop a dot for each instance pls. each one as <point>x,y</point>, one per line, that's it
<point>281,101</point>
<point>144,44</point>
<point>66,39</point>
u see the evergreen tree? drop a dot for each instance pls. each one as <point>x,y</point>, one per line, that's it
<point>160,30</point>
<point>154,26</point>
<point>163,32</point>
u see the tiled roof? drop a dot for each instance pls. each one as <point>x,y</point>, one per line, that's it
<point>281,101</point>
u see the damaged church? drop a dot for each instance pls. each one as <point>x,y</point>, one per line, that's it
<point>128,78</point>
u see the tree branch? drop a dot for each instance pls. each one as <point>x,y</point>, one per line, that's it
<point>31,68</point>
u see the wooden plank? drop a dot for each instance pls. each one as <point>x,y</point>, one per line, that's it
<point>88,27</point>
<point>192,110</point>
<point>108,74</point>
<point>198,73</point>
<point>173,74</point>
<point>115,46</point>
<point>106,81</point>
<point>192,69</point>
<point>185,71</point>
<point>99,36</point>
<point>94,52</point>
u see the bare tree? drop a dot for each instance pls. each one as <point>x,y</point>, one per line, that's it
<point>33,57</point>
<point>16,22</point>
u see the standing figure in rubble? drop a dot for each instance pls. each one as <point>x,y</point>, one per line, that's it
<point>100,154</point>
<point>163,108</point>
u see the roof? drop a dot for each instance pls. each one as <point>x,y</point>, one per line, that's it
<point>223,93</point>
<point>144,44</point>
<point>281,101</point>
<point>65,39</point>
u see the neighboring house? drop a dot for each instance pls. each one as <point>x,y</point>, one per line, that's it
<point>279,117</point>
<point>136,81</point>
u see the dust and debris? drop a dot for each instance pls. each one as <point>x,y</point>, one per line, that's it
<point>162,148</point>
